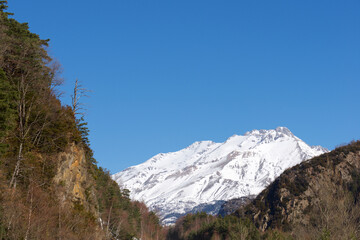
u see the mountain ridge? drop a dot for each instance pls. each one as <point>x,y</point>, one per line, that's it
<point>207,171</point>
<point>316,199</point>
<point>318,196</point>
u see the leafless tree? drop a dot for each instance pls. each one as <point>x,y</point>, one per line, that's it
<point>79,92</point>
<point>334,212</point>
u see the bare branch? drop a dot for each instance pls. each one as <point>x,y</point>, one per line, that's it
<point>79,92</point>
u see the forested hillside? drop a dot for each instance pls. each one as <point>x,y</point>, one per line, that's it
<point>50,184</point>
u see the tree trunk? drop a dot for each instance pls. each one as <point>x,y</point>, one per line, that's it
<point>17,168</point>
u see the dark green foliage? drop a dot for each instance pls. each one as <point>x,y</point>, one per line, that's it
<point>34,129</point>
<point>124,218</point>
<point>201,226</point>
<point>25,67</point>
<point>79,209</point>
<point>83,130</point>
<point>206,227</point>
<point>108,190</point>
<point>354,186</point>
<point>7,110</point>
<point>57,131</point>
<point>298,186</point>
<point>3,5</point>
<point>268,203</point>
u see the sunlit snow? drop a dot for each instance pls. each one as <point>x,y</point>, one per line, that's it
<point>206,171</point>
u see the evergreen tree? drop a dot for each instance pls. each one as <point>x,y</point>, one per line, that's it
<point>24,62</point>
<point>3,5</point>
<point>35,130</point>
<point>7,110</point>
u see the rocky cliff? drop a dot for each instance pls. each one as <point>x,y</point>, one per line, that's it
<point>73,175</point>
<point>232,205</point>
<point>321,193</point>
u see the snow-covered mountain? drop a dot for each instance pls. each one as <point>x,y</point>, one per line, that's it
<point>207,172</point>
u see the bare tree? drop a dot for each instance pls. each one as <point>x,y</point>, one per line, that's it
<point>55,71</point>
<point>79,92</point>
<point>334,213</point>
<point>25,107</point>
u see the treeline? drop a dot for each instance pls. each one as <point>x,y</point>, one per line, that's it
<point>201,226</point>
<point>34,129</point>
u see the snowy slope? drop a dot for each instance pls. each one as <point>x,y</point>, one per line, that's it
<point>205,172</point>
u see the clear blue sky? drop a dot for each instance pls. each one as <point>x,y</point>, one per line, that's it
<point>167,73</point>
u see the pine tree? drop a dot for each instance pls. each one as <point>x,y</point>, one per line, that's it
<point>25,64</point>
<point>3,5</point>
<point>7,110</point>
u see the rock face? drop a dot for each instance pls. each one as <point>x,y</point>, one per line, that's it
<point>73,176</point>
<point>232,205</point>
<point>314,190</point>
<point>206,172</point>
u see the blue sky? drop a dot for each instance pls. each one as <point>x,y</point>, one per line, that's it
<point>167,73</point>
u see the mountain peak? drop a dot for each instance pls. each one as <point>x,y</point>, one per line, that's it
<point>271,133</point>
<point>207,171</point>
<point>284,130</point>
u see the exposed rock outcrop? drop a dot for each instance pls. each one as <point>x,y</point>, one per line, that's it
<point>232,205</point>
<point>301,192</point>
<point>73,175</point>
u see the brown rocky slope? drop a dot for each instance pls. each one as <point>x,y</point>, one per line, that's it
<point>320,195</point>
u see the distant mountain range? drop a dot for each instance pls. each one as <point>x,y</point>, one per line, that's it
<point>206,174</point>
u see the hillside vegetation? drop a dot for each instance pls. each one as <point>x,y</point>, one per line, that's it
<point>317,199</point>
<point>50,184</point>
